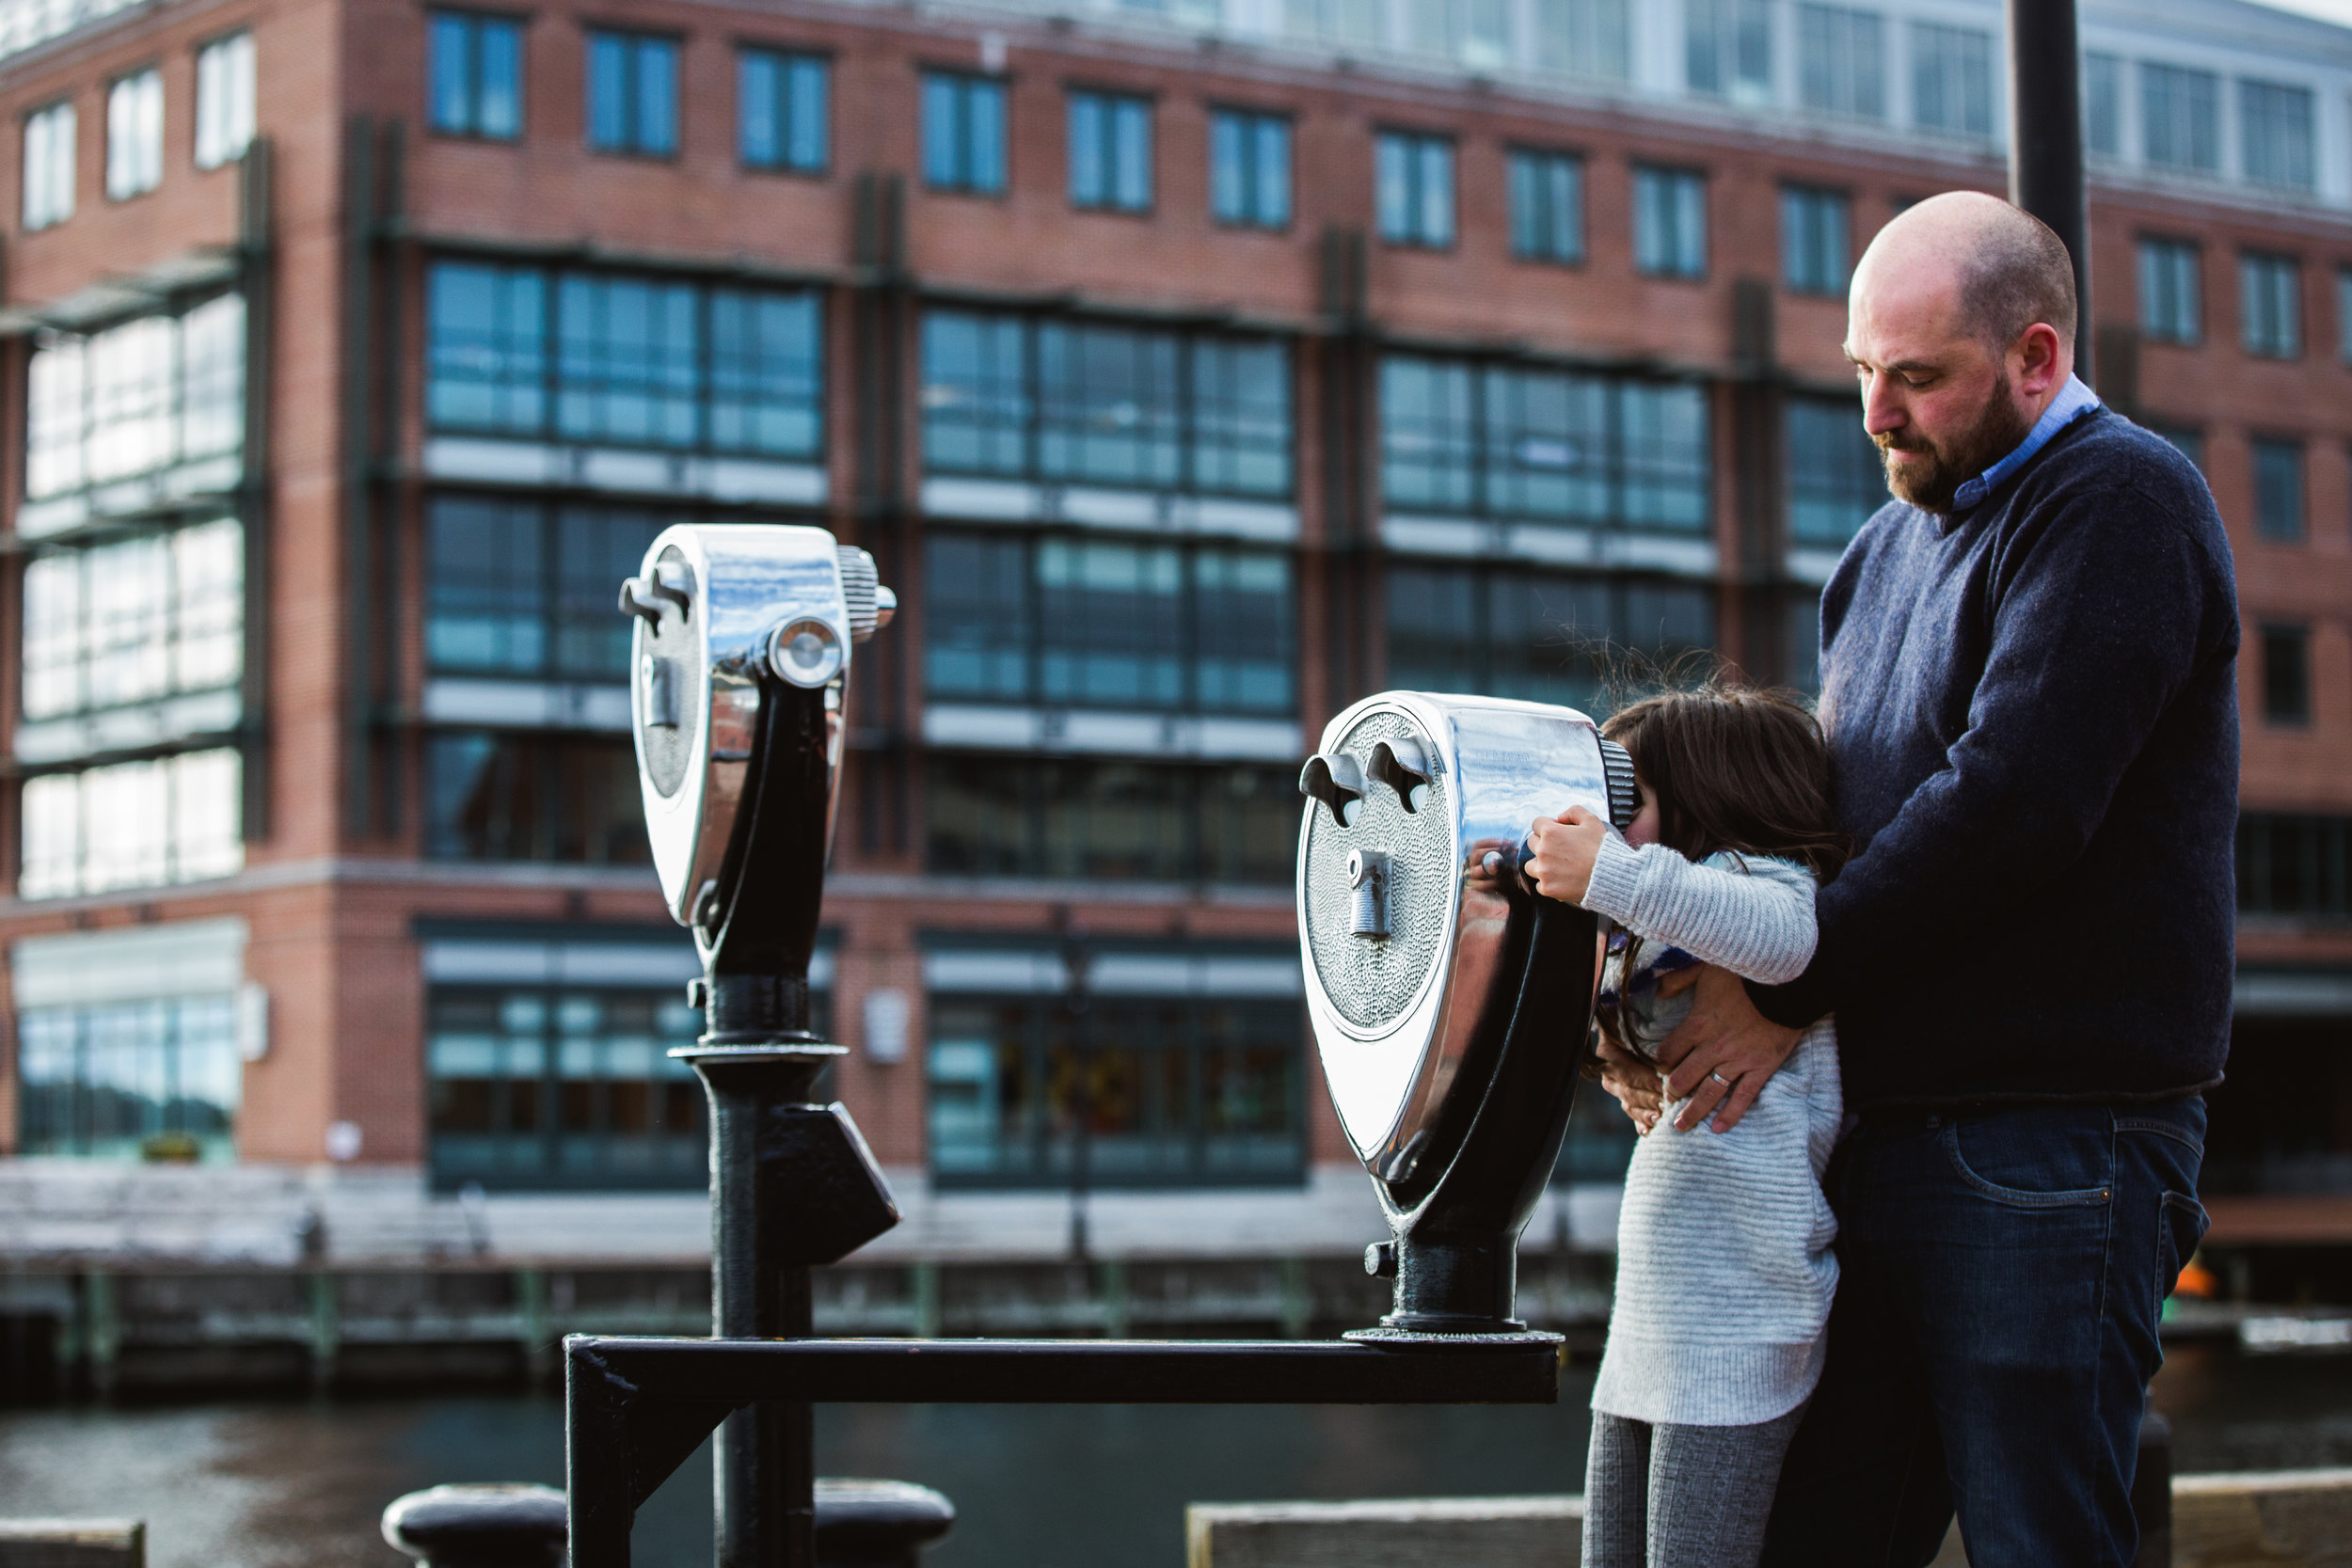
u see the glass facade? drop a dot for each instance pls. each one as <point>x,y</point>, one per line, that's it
<point>132,825</point>
<point>1145,1091</point>
<point>1835,480</point>
<point>1577,446</point>
<point>632,94</point>
<point>1815,229</point>
<point>782,113</point>
<point>534,1087</point>
<point>494,795</point>
<point>1079,818</point>
<point>1551,637</point>
<point>1110,152</point>
<point>1951,79</point>
<point>1086,403</point>
<point>524,588</point>
<point>135,620</point>
<point>623,359</point>
<point>1547,206</point>
<point>477,75</point>
<point>1413,188</point>
<point>123,1080</point>
<point>1108,622</point>
<point>964,132</point>
<point>134,397</point>
<point>1841,61</point>
<point>2291,864</point>
<point>1669,222</point>
<point>1249,168</point>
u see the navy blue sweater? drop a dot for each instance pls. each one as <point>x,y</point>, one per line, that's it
<point>2032,714</point>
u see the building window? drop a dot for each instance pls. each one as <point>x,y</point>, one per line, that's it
<point>1542,636</point>
<point>1413,176</point>
<point>1813,225</point>
<point>2103,106</point>
<point>49,165</point>
<point>1727,49</point>
<point>1841,61</point>
<point>2275,121</point>
<point>1951,79</point>
<point>131,824</point>
<point>2286,674</point>
<point>780,109</point>
<point>511,796</point>
<point>964,132</point>
<point>224,99</point>
<point>2270,291</point>
<point>525,588</point>
<point>623,359</point>
<point>134,398</point>
<point>632,94</point>
<point>477,81</point>
<point>1835,480</point>
<point>1176,1090</point>
<point>2171,286</point>
<point>1803,633</point>
<point>2279,489</point>
<point>159,1078</point>
<point>1669,222</point>
<point>1082,819</point>
<point>533,1087</point>
<point>2181,118</point>
<point>1578,38</point>
<point>1099,404</point>
<point>1105,622</point>
<point>135,135</point>
<point>136,621</point>
<point>1575,446</point>
<point>1110,152</point>
<point>2295,864</point>
<point>1249,168</point>
<point>1547,206</point>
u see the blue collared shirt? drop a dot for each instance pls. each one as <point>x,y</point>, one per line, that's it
<point>2074,400</point>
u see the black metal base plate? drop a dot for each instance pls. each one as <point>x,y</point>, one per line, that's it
<point>1520,1339</point>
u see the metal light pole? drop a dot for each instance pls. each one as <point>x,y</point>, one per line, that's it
<point>2045,139</point>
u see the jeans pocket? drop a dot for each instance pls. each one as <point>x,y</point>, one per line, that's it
<point>2085,1164</point>
<point>2181,1224</point>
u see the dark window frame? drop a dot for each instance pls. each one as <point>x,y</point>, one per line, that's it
<point>1111,102</point>
<point>2151,253</point>
<point>633,40</point>
<point>2290,341</point>
<point>1676,175</point>
<point>962,82</point>
<point>1543,222</point>
<point>476,22</point>
<point>1413,143</point>
<point>1590,664</point>
<point>782,57</point>
<point>2286,690</point>
<point>1031,793</point>
<point>1808,202</point>
<point>1251,121</point>
<point>2273,528</point>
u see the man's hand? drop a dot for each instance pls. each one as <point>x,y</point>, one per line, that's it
<point>1565,848</point>
<point>1633,1082</point>
<point>1723,1053</point>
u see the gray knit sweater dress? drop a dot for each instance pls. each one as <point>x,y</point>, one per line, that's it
<point>1725,1270</point>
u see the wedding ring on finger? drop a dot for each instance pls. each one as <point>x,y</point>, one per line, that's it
<point>1720,1079</point>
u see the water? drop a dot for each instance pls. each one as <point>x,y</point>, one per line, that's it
<point>301,1484</point>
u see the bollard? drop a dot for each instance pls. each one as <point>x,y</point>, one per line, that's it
<point>492,1525</point>
<point>877,1524</point>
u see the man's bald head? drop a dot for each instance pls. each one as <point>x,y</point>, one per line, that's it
<point>2005,268</point>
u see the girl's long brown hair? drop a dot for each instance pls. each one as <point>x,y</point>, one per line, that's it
<point>1735,767</point>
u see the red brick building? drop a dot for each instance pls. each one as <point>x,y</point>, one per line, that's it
<point>1188,377</point>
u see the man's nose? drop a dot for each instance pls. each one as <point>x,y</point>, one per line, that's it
<point>1881,409</point>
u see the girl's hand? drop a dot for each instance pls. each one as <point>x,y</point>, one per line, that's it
<point>1565,848</point>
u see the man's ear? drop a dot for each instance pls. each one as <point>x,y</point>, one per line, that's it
<point>2037,361</point>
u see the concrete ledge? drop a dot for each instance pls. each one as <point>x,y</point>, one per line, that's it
<point>73,1544</point>
<point>1406,1533</point>
<point>2260,1519</point>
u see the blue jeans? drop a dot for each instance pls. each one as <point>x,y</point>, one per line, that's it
<point>1995,1329</point>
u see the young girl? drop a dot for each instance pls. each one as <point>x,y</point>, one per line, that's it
<point>1724,1263</point>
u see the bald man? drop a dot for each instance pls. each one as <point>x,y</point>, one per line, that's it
<point>2029,663</point>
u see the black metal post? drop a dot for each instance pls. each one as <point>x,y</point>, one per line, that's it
<point>1075,964</point>
<point>2045,139</point>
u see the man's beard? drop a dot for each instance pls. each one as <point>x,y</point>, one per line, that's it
<point>1930,487</point>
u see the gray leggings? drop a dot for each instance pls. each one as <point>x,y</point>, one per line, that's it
<point>1680,1497</point>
